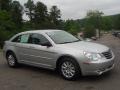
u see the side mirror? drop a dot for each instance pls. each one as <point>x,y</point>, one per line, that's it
<point>48,44</point>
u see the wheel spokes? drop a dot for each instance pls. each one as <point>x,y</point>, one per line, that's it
<point>68,69</point>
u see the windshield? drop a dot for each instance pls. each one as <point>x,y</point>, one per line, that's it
<point>61,37</point>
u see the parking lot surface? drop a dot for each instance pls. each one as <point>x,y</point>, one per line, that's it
<point>32,78</point>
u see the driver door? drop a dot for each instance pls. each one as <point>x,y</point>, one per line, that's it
<point>41,55</point>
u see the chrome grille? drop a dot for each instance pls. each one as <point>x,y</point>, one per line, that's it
<point>108,54</point>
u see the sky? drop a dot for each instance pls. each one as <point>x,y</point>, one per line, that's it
<point>77,9</point>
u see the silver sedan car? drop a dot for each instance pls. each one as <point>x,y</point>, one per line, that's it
<point>58,50</point>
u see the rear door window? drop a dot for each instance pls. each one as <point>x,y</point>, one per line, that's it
<point>24,38</point>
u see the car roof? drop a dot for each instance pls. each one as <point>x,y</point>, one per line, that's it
<point>40,31</point>
<point>35,31</point>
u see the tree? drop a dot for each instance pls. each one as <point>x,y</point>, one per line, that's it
<point>29,9</point>
<point>55,16</point>
<point>40,15</point>
<point>7,27</point>
<point>89,31</point>
<point>6,22</point>
<point>16,13</point>
<point>72,26</point>
<point>117,22</point>
<point>5,5</point>
<point>94,19</point>
<point>107,23</point>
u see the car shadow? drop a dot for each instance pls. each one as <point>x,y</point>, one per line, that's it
<point>39,70</point>
<point>96,78</point>
<point>55,74</point>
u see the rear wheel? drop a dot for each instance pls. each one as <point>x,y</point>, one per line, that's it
<point>69,68</point>
<point>12,60</point>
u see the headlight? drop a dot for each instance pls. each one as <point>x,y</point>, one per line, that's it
<point>92,56</point>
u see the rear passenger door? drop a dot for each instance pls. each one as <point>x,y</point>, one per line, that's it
<point>23,47</point>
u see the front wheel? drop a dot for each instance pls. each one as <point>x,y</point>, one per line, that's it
<point>69,69</point>
<point>11,60</point>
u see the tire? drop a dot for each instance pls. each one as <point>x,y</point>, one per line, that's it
<point>69,68</point>
<point>11,60</point>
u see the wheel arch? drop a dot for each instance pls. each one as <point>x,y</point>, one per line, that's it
<point>63,56</point>
<point>9,51</point>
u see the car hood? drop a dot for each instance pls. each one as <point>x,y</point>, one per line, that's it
<point>85,46</point>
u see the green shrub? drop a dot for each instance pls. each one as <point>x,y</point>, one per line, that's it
<point>89,32</point>
<point>4,35</point>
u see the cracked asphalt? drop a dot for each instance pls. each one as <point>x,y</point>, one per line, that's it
<point>32,78</point>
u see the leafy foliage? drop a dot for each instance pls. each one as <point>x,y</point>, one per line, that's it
<point>40,15</point>
<point>55,15</point>
<point>94,18</point>
<point>89,31</point>
<point>5,5</point>
<point>72,26</point>
<point>29,9</point>
<point>7,27</point>
<point>116,24</point>
<point>16,13</point>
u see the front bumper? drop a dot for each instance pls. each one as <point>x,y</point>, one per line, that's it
<point>98,67</point>
<point>99,72</point>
